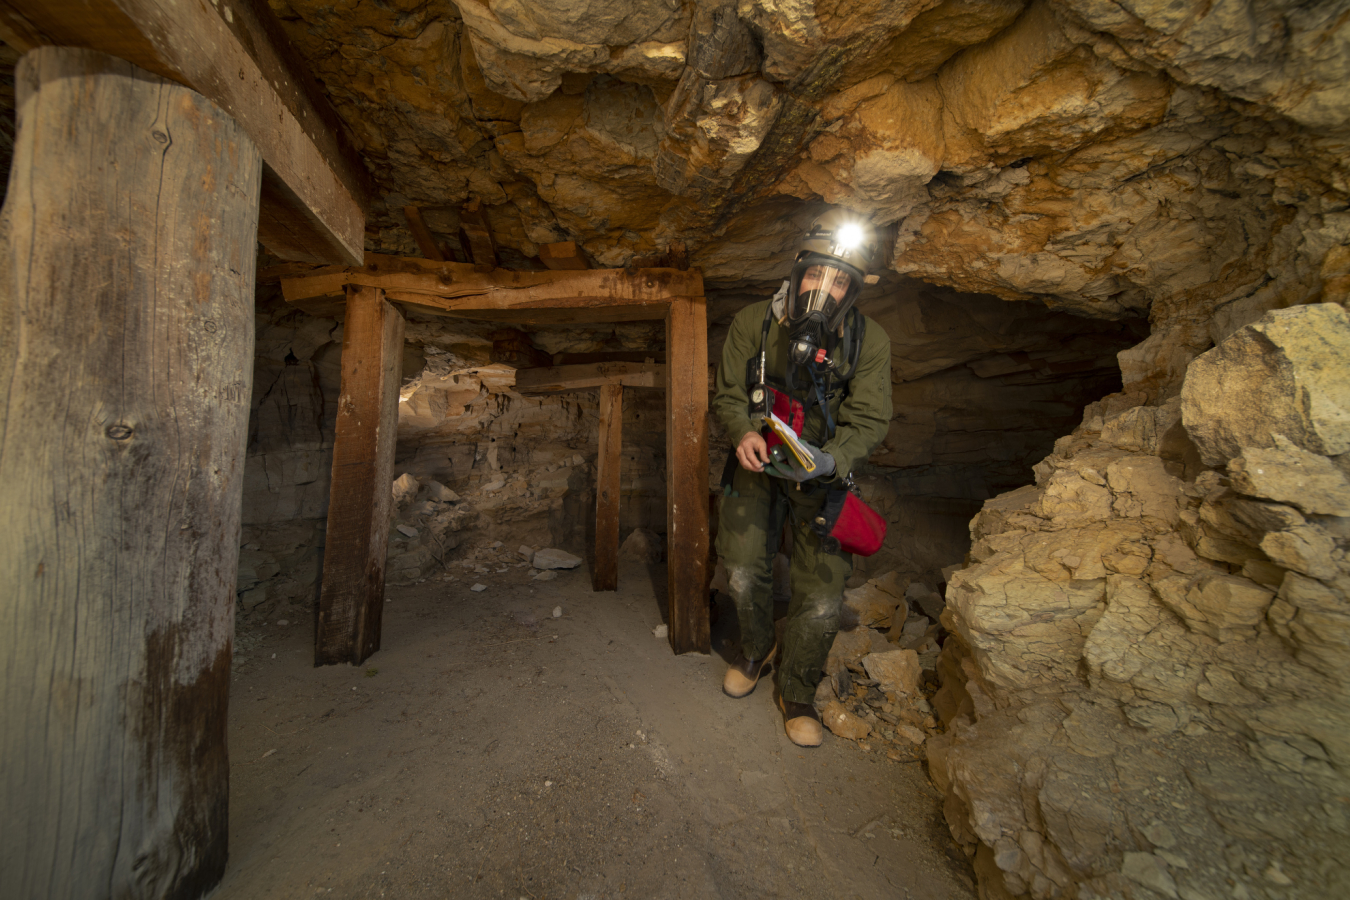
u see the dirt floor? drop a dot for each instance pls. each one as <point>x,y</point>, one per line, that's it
<point>493,750</point>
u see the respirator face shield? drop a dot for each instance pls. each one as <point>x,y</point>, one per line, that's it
<point>820,293</point>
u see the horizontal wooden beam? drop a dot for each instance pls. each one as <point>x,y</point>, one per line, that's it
<point>460,289</point>
<point>560,379</point>
<point>315,188</point>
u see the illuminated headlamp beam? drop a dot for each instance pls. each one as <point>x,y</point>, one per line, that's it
<point>850,235</point>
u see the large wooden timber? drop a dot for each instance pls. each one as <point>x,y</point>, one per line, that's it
<point>126,358</point>
<point>315,188</point>
<point>687,472</point>
<point>605,575</point>
<point>560,379</point>
<point>351,599</point>
<point>429,287</point>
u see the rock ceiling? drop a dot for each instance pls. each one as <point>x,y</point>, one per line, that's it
<point>1114,159</point>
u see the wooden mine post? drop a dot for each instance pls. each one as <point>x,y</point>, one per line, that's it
<point>434,288</point>
<point>608,461</point>
<point>687,473</point>
<point>351,600</point>
<point>127,250</point>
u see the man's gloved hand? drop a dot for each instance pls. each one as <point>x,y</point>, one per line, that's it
<point>783,464</point>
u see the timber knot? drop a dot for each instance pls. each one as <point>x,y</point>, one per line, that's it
<point>119,432</point>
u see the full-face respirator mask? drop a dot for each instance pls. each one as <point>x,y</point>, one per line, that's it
<point>827,275</point>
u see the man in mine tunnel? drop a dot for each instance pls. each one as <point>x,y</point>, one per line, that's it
<point>813,360</point>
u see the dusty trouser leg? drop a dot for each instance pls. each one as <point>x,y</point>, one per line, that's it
<point>748,529</point>
<point>818,579</point>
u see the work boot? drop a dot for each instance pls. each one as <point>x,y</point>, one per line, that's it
<point>801,722</point>
<point>743,674</point>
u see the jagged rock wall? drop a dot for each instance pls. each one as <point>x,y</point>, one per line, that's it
<point>1146,682</point>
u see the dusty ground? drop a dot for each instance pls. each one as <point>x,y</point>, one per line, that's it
<point>491,750</point>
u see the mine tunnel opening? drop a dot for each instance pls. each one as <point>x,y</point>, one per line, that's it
<point>982,388</point>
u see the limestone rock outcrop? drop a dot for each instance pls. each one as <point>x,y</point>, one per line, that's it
<point>1173,156</point>
<point>1145,682</point>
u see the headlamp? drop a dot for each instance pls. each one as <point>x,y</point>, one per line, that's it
<point>850,236</point>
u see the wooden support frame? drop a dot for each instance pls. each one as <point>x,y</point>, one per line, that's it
<point>605,576</point>
<point>594,295</point>
<point>315,188</point>
<point>687,471</point>
<point>351,599</point>
<point>426,241</point>
<point>126,293</point>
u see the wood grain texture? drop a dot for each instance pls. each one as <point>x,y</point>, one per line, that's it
<point>562,256</point>
<point>502,288</point>
<point>351,599</point>
<point>560,379</point>
<point>687,473</point>
<point>605,576</point>
<point>126,356</point>
<point>315,186</point>
<point>426,241</point>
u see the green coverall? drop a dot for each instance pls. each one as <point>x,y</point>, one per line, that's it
<point>752,515</point>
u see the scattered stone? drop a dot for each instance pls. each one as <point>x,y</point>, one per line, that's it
<point>405,488</point>
<point>1275,876</point>
<point>844,723</point>
<point>1150,871</point>
<point>551,558</point>
<point>915,633</point>
<point>283,621</point>
<point>642,545</point>
<point>1159,835</point>
<point>926,599</point>
<point>661,631</point>
<point>526,551</point>
<point>546,575</point>
<point>439,492</point>
<point>496,485</point>
<point>557,612</point>
<point>479,588</point>
<point>874,603</point>
<point>895,671</point>
<point>407,531</point>
<point>910,733</point>
<point>852,645</point>
<point>494,545</point>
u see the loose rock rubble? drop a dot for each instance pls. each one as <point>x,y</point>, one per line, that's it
<point>1145,688</point>
<point>874,691</point>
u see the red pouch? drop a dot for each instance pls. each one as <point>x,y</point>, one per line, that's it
<point>845,523</point>
<point>790,411</point>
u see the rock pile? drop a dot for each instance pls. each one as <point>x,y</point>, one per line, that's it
<point>426,523</point>
<point>877,682</point>
<point>1145,690</point>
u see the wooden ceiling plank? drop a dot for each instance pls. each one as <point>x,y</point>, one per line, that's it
<point>316,188</point>
<point>562,256</point>
<point>426,242</point>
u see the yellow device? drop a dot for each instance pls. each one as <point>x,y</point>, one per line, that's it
<point>790,439</point>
